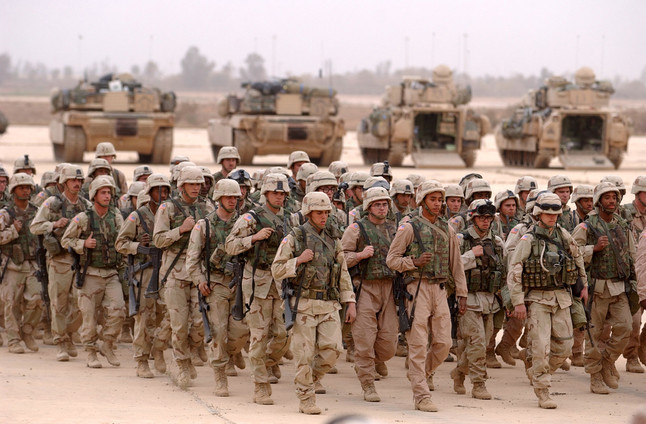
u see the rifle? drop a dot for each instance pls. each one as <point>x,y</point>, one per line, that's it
<point>133,282</point>
<point>152,291</point>
<point>42,276</point>
<point>588,311</point>
<point>76,267</point>
<point>236,266</point>
<point>204,308</point>
<point>454,309</point>
<point>401,295</point>
<point>288,292</point>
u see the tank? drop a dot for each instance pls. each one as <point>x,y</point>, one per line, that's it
<point>4,123</point>
<point>429,120</point>
<point>571,121</point>
<point>118,109</point>
<point>278,117</point>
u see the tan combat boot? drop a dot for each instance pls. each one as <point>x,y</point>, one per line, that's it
<point>381,369</point>
<point>577,360</point>
<point>308,406</point>
<point>607,374</point>
<point>29,341</point>
<point>288,355</point>
<point>61,354</point>
<point>71,349</point>
<point>106,349</point>
<point>370,393</point>
<point>261,395</point>
<point>597,385</point>
<point>143,370</point>
<point>504,350</point>
<point>158,358</point>
<point>633,365</point>
<point>479,391</point>
<point>426,405</point>
<point>275,369</point>
<point>221,383</point>
<point>201,352</point>
<point>544,399</point>
<point>319,389</point>
<point>92,360</point>
<point>565,366</point>
<point>238,360</point>
<point>402,350</point>
<point>333,370</point>
<point>492,361</point>
<point>125,336</point>
<point>230,368</point>
<point>181,375</point>
<point>16,348</point>
<point>458,382</point>
<point>48,339</point>
<point>196,358</point>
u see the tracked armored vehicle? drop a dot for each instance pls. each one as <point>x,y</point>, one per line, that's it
<point>428,120</point>
<point>571,121</point>
<point>278,117</point>
<point>118,109</point>
<point>4,123</point>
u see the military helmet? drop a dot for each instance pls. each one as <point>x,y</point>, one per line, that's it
<point>278,170</point>
<point>428,187</point>
<point>3,172</point>
<point>548,203</point>
<point>402,187</point>
<point>357,179</point>
<point>315,201</point>
<point>305,171</point>
<point>228,152</point>
<point>57,170</point>
<point>617,181</point>
<point>582,191</point>
<point>559,181</point>
<point>226,187</point>
<point>525,183</point>
<point>98,163</point>
<point>48,177</point>
<point>338,168</point>
<point>177,159</point>
<point>190,175</point>
<point>71,172</point>
<point>453,190</point>
<point>100,182</point>
<point>505,195</point>
<point>21,179</point>
<point>140,171</point>
<point>24,163</point>
<point>477,185</point>
<point>135,188</point>
<point>416,179</point>
<point>156,180</point>
<point>467,178</point>
<point>376,182</point>
<point>206,172</point>
<point>297,156</point>
<point>178,169</point>
<point>241,176</point>
<point>481,207</point>
<point>381,169</point>
<point>321,179</point>
<point>639,185</point>
<point>373,194</point>
<point>142,198</point>
<point>603,188</point>
<point>531,199</point>
<point>105,149</point>
<point>275,182</point>
<point>256,178</point>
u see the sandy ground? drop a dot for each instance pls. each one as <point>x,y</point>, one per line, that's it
<point>34,388</point>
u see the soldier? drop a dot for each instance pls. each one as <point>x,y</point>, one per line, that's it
<point>508,216</point>
<point>338,168</point>
<point>523,186</point>
<point>207,188</point>
<point>24,165</point>
<point>106,151</point>
<point>141,173</point>
<point>428,250</point>
<point>382,169</point>
<point>609,248</point>
<point>174,192</point>
<point>483,260</point>
<point>243,179</point>
<point>321,283</point>
<point>20,289</point>
<point>256,179</point>
<point>545,263</point>
<point>96,168</point>
<point>173,222</point>
<point>131,198</point>
<point>257,234</point>
<point>355,187</point>
<point>582,198</point>
<point>52,219</point>
<point>401,193</point>
<point>48,183</point>
<point>297,158</point>
<point>4,180</point>
<point>228,158</point>
<point>324,181</point>
<point>135,238</point>
<point>416,179</point>
<point>562,187</point>
<point>476,188</point>
<point>454,200</point>
<point>358,211</point>
<point>304,171</point>
<point>91,235</point>
<point>619,183</point>
<point>365,245</point>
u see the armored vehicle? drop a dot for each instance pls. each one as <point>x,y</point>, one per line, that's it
<point>570,121</point>
<point>428,120</point>
<point>4,123</point>
<point>278,117</point>
<point>118,109</point>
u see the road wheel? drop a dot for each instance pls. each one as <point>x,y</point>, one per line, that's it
<point>396,154</point>
<point>163,147</point>
<point>73,144</point>
<point>469,157</point>
<point>331,154</point>
<point>371,156</point>
<point>543,159</point>
<point>616,156</point>
<point>59,152</point>
<point>215,150</point>
<point>244,146</point>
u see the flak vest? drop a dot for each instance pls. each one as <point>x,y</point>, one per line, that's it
<point>147,223</point>
<point>61,207</point>
<point>181,211</point>
<point>438,269</point>
<point>269,246</point>
<point>535,274</point>
<point>105,231</point>
<point>375,268</point>
<point>488,274</point>
<point>604,264</point>
<point>24,247</point>
<point>218,233</point>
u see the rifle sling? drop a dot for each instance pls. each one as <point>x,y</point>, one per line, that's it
<point>181,250</point>
<point>418,238</point>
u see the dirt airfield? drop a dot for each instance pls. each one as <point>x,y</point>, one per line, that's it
<point>34,388</point>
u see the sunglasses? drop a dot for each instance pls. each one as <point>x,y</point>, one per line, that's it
<point>549,207</point>
<point>487,209</point>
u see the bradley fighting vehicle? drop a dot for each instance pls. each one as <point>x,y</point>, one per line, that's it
<point>568,121</point>
<point>428,120</point>
<point>118,109</point>
<point>278,117</point>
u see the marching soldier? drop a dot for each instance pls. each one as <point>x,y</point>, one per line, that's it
<point>296,159</point>
<point>562,187</point>
<point>545,263</point>
<point>428,250</point>
<point>20,289</point>
<point>135,237</point>
<point>365,245</point>
<point>416,179</point>
<point>401,193</point>
<point>320,283</point>
<point>476,188</point>
<point>229,335</point>
<point>304,171</point>
<point>4,180</point>
<point>508,216</point>
<point>257,234</point>
<point>523,187</point>
<point>243,179</point>
<point>355,187</point>
<point>582,198</point>
<point>228,159</point>
<point>131,198</point>
<point>454,200</point>
<point>338,168</point>
<point>106,151</point>
<point>382,169</point>
<point>91,235</point>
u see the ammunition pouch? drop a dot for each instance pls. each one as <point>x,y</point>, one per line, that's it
<point>633,297</point>
<point>52,245</point>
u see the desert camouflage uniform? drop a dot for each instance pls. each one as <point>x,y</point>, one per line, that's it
<point>568,218</point>
<point>636,346</point>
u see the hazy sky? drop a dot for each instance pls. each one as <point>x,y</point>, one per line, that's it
<point>502,37</point>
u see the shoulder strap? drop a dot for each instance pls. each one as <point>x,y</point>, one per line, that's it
<point>418,236</point>
<point>178,206</point>
<point>364,234</point>
<point>143,222</point>
<point>255,216</point>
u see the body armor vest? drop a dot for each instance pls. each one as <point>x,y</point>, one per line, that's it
<point>269,246</point>
<point>319,277</point>
<point>219,231</point>
<point>438,269</point>
<point>536,267</point>
<point>488,274</point>
<point>61,207</point>
<point>105,230</point>
<point>605,265</point>
<point>147,223</point>
<point>183,210</point>
<point>566,220</point>
<point>375,268</point>
<point>24,247</point>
